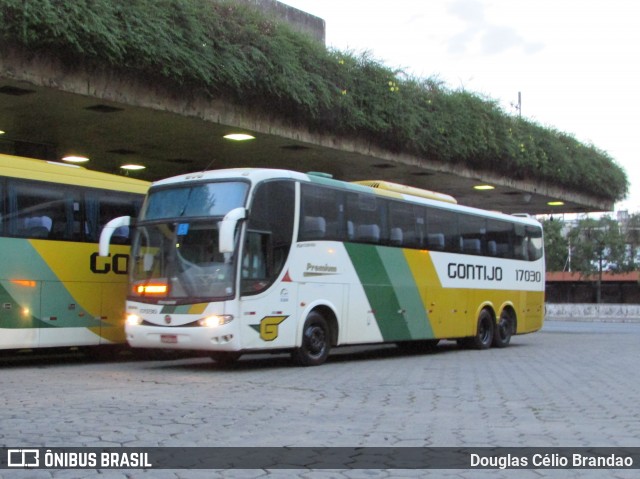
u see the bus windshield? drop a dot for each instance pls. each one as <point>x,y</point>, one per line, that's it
<point>175,252</point>
<point>193,201</point>
<point>180,261</point>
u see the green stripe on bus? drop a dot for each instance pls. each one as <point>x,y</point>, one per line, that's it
<point>406,291</point>
<point>381,295</point>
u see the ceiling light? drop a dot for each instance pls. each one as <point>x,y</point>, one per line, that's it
<point>239,137</point>
<point>2,132</point>
<point>133,167</point>
<point>75,159</point>
<point>555,203</point>
<point>484,187</point>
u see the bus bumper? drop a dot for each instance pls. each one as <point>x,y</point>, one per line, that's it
<point>222,338</point>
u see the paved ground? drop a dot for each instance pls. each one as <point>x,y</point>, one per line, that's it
<point>565,386</point>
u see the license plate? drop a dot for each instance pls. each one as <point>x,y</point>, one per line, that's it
<point>168,338</point>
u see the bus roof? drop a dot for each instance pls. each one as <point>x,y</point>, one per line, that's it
<point>53,172</point>
<point>259,174</point>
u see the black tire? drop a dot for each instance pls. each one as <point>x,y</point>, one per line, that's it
<point>316,342</point>
<point>484,331</point>
<point>225,358</point>
<point>503,330</point>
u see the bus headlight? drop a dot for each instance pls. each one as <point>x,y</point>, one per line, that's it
<point>133,320</point>
<point>216,320</point>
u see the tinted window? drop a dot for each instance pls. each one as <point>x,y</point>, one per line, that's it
<point>40,210</point>
<point>406,225</point>
<point>269,235</point>
<point>208,199</point>
<point>321,214</point>
<point>100,208</point>
<point>366,218</point>
<point>442,231</point>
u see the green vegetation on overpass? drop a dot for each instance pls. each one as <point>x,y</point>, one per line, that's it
<point>230,51</point>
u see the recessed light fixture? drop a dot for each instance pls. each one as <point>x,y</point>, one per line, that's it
<point>484,187</point>
<point>133,167</point>
<point>555,203</point>
<point>75,159</point>
<point>239,137</point>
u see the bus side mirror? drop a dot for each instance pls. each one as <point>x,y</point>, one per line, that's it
<point>228,228</point>
<point>107,233</point>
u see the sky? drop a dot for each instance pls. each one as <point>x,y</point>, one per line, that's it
<point>576,63</point>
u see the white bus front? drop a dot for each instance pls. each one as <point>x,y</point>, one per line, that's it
<point>183,271</point>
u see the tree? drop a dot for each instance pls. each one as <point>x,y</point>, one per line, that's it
<point>631,230</point>
<point>596,246</point>
<point>556,245</point>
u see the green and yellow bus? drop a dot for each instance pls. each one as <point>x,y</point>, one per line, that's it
<point>55,291</point>
<point>255,260</point>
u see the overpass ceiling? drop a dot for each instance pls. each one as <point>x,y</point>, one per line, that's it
<point>49,123</point>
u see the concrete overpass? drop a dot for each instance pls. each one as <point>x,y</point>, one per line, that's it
<point>48,110</point>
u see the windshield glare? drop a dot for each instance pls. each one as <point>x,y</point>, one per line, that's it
<point>180,261</point>
<point>198,200</point>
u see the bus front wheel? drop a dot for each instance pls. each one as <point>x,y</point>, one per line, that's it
<point>316,341</point>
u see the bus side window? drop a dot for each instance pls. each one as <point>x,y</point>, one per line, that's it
<point>406,224</point>
<point>435,241</point>
<point>321,214</point>
<point>535,243</point>
<point>314,227</point>
<point>37,226</point>
<point>396,237</point>
<point>254,260</point>
<point>473,231</point>
<point>367,213</point>
<point>520,244</point>
<point>369,233</point>
<point>40,211</point>
<point>472,246</point>
<point>269,235</point>
<point>445,223</point>
<point>101,208</point>
<point>500,236</point>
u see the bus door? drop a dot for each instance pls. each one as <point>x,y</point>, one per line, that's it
<point>268,305</point>
<point>268,296</point>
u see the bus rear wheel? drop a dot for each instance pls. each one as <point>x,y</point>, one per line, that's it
<point>503,330</point>
<point>484,332</point>
<point>316,342</point>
